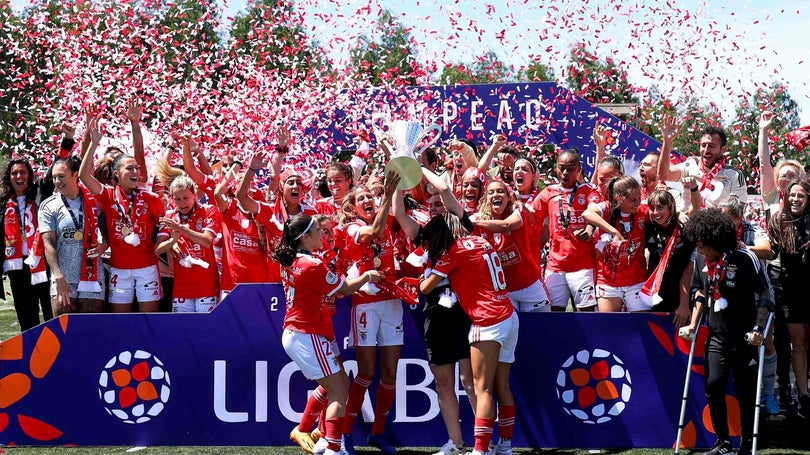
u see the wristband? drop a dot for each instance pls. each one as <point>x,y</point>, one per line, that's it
<point>694,190</point>
<point>282,149</point>
<point>254,170</point>
<point>700,299</point>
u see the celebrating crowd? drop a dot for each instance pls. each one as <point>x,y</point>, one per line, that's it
<point>481,238</point>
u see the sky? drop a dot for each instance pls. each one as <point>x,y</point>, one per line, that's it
<point>718,51</point>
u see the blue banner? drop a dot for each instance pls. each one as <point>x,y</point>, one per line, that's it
<point>580,380</point>
<point>530,113</point>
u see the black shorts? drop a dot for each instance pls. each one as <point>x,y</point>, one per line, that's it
<point>446,332</point>
<point>794,306</point>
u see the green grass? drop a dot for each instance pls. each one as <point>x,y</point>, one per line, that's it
<point>9,327</point>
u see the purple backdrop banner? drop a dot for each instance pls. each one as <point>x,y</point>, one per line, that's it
<point>581,380</point>
<point>527,113</point>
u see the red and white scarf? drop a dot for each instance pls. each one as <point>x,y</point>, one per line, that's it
<point>649,292</point>
<point>706,182</point>
<point>13,228</point>
<point>88,279</point>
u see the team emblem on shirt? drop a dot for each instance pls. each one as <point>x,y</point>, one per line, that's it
<point>331,277</point>
<point>581,199</point>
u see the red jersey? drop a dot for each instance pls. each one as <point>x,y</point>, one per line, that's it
<point>272,218</point>
<point>140,213</point>
<point>474,270</point>
<point>326,206</point>
<point>563,207</point>
<point>519,251</point>
<point>306,283</point>
<point>366,254</point>
<point>193,281</point>
<point>624,264</point>
<point>242,249</point>
<point>209,184</point>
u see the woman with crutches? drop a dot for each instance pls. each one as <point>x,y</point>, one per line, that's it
<point>732,289</point>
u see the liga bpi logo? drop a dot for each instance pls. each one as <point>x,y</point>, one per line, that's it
<point>134,387</point>
<point>594,386</point>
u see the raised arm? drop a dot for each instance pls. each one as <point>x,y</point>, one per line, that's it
<point>202,160</point>
<point>222,187</point>
<point>134,114</point>
<point>498,141</point>
<point>408,224</point>
<point>257,161</point>
<point>767,181</point>
<point>600,140</point>
<point>377,227</point>
<point>86,169</point>
<point>188,160</point>
<point>445,192</point>
<point>281,149</point>
<point>666,173</point>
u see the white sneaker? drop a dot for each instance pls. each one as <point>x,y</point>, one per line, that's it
<point>320,446</point>
<point>504,447</point>
<point>450,448</point>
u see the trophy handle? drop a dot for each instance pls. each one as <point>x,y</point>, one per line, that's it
<point>424,134</point>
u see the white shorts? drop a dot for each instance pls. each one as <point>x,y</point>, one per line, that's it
<point>315,355</point>
<point>504,332</point>
<point>564,285</point>
<point>377,324</point>
<point>531,299</point>
<point>630,295</point>
<point>197,305</point>
<point>126,284</point>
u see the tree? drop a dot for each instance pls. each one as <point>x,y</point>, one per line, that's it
<point>596,81</point>
<point>487,69</point>
<point>391,59</point>
<point>536,72</point>
<point>190,27</point>
<point>272,33</point>
<point>744,130</point>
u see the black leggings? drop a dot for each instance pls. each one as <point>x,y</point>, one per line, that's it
<point>721,358</point>
<point>28,298</point>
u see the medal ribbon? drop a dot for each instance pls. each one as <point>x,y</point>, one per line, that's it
<point>78,223</point>
<point>716,270</point>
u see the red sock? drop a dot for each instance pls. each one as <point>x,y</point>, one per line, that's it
<point>483,433</point>
<point>357,392</point>
<point>322,421</point>
<point>333,427</point>
<point>316,402</point>
<point>385,398</point>
<point>506,420</point>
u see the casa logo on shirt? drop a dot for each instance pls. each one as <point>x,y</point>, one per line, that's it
<point>331,278</point>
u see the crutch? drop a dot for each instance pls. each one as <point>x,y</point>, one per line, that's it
<point>760,373</point>
<point>693,338</point>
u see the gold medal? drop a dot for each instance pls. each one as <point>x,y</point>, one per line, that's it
<point>77,235</point>
<point>125,230</point>
<point>377,262</point>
